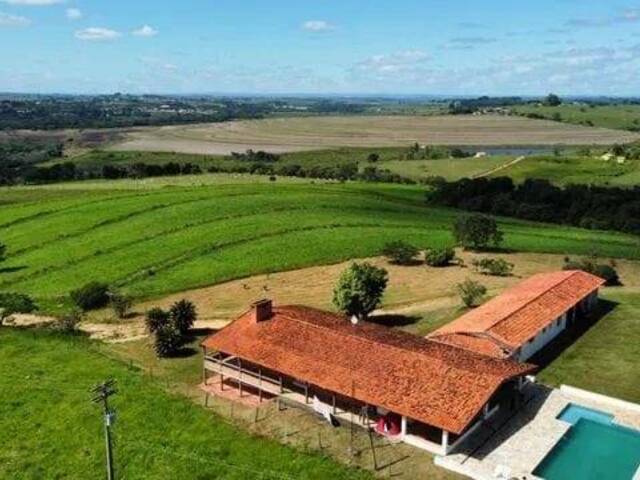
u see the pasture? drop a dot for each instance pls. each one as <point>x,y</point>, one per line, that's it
<point>49,428</point>
<point>622,117</point>
<point>317,133</point>
<point>157,238</point>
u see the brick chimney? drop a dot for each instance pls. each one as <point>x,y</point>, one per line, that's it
<point>262,310</point>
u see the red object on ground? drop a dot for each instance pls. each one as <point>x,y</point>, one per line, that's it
<point>389,425</point>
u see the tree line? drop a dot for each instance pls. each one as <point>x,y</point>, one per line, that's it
<point>585,206</point>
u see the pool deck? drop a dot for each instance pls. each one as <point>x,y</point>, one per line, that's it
<point>512,444</point>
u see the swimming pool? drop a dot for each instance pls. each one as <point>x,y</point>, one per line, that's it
<point>594,448</point>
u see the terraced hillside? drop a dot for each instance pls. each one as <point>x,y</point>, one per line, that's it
<point>164,238</point>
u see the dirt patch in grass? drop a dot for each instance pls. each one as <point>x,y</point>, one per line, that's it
<point>299,134</point>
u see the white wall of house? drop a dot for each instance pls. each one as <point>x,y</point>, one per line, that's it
<point>550,332</point>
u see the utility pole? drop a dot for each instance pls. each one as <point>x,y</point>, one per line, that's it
<point>101,393</point>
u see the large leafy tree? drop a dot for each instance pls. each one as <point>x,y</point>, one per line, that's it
<point>477,231</point>
<point>359,289</point>
<point>183,315</point>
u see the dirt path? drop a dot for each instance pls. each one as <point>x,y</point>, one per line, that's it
<point>499,168</point>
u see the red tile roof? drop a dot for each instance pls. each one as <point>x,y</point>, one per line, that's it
<point>509,320</point>
<point>428,381</point>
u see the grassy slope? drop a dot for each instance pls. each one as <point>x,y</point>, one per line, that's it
<point>621,117</point>
<point>152,241</point>
<point>50,429</point>
<point>605,358</point>
<point>569,169</point>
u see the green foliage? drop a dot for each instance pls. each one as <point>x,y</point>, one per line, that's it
<point>167,340</point>
<point>120,303</point>
<point>497,267</point>
<point>471,292</point>
<point>400,252</point>
<point>183,315</point>
<point>605,271</point>
<point>359,289</point>
<point>3,252</point>
<point>69,322</point>
<point>477,231</point>
<point>553,100</point>
<point>11,302</point>
<point>155,319</point>
<point>439,257</point>
<point>91,296</point>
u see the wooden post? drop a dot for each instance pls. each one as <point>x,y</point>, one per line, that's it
<point>333,401</point>
<point>259,385</point>
<point>281,388</point>
<point>221,380</point>
<point>204,363</point>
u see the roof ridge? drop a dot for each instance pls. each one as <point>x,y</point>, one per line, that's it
<point>395,347</point>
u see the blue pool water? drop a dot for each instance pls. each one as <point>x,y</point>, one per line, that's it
<point>594,448</point>
<point>572,413</point>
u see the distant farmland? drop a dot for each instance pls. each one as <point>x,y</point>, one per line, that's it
<point>313,133</point>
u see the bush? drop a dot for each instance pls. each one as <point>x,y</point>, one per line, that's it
<point>183,315</point>
<point>439,257</point>
<point>155,319</point>
<point>497,267</point>
<point>69,322</point>
<point>121,304</point>
<point>471,292</point>
<point>91,296</point>
<point>167,340</point>
<point>359,289</point>
<point>11,303</point>
<point>400,252</point>
<point>476,231</point>
<point>604,271</point>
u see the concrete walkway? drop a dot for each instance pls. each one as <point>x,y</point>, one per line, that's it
<point>513,444</point>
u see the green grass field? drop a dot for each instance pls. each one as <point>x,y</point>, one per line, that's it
<point>568,169</point>
<point>49,428</point>
<point>159,238</point>
<point>621,117</point>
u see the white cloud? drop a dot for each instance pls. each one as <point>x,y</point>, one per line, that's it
<point>33,2</point>
<point>73,14</point>
<point>317,26</point>
<point>7,20</point>
<point>145,31</point>
<point>97,34</point>
<point>407,60</point>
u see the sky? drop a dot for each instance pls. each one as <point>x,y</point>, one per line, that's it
<point>433,47</point>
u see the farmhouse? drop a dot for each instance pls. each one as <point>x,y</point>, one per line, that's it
<point>524,319</point>
<point>429,392</point>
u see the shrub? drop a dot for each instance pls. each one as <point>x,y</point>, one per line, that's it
<point>155,319</point>
<point>359,289</point>
<point>476,231</point>
<point>121,304</point>
<point>400,252</point>
<point>471,292</point>
<point>11,303</point>
<point>439,257</point>
<point>497,267</point>
<point>602,270</point>
<point>69,322</point>
<point>91,296</point>
<point>167,340</point>
<point>3,252</point>
<point>183,315</point>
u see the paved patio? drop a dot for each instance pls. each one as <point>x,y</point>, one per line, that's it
<point>511,445</point>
